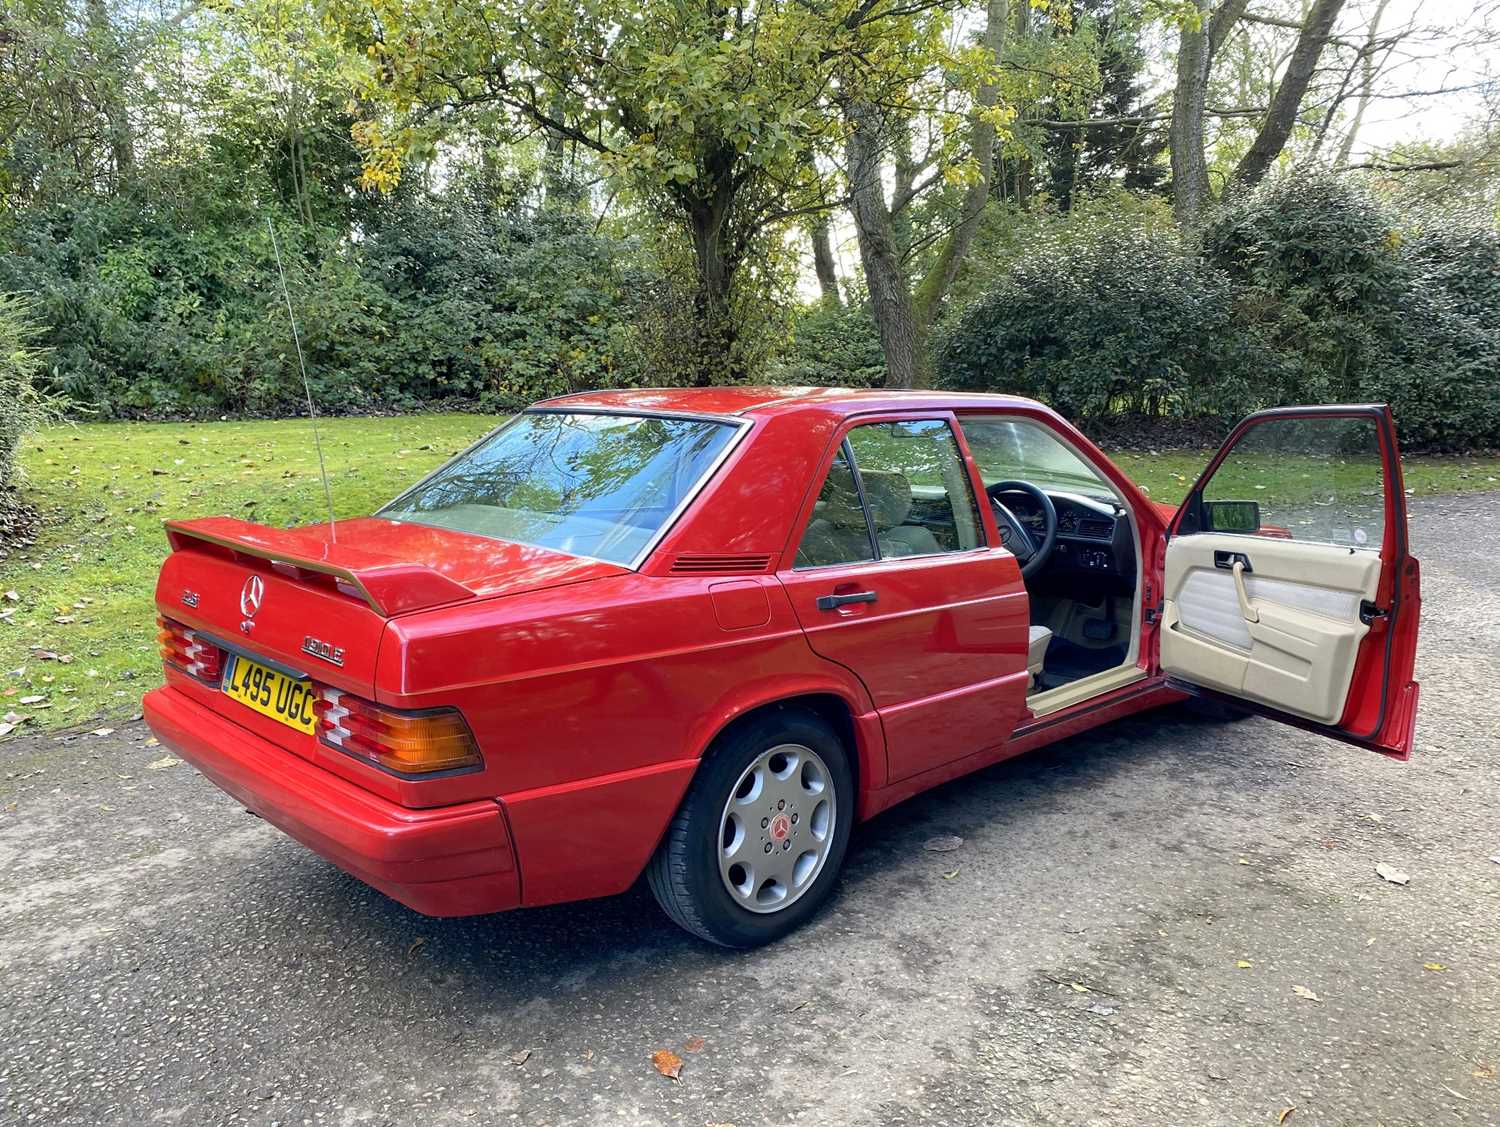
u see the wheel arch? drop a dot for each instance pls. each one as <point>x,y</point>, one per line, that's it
<point>856,725</point>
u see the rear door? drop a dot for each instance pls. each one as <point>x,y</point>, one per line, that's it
<point>894,576</point>
<point>1288,582</point>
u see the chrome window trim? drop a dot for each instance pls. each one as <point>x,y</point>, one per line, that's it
<point>739,423</point>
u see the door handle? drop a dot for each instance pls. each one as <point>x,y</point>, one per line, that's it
<point>1229,560</point>
<point>833,602</point>
<point>1249,612</point>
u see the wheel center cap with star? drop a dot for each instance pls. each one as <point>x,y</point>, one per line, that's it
<point>781,827</point>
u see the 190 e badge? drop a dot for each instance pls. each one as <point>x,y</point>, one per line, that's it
<point>332,654</point>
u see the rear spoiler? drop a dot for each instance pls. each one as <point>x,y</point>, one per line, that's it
<point>390,586</point>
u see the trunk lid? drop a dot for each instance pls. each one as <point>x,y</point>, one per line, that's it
<point>316,601</point>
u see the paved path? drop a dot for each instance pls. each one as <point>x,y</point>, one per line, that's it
<point>168,959</point>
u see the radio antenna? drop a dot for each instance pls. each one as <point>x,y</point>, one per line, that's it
<point>312,412</point>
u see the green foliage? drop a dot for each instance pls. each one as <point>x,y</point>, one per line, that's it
<point>1351,300</point>
<point>155,312</point>
<point>1309,290</point>
<point>22,406</point>
<point>833,346</point>
<point>1096,317</point>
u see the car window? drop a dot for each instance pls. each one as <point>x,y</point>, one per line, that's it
<point>837,532</point>
<point>1317,479</point>
<point>916,486</point>
<point>599,485</point>
<point>1010,449</point>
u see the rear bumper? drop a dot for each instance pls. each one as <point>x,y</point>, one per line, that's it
<point>448,861</point>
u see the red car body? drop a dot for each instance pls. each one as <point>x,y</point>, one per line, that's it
<point>593,689</point>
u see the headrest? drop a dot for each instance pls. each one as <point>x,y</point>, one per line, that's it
<point>839,505</point>
<point>889,494</point>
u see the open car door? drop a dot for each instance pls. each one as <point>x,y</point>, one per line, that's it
<point>1289,588</point>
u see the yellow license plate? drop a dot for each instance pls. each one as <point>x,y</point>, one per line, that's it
<point>270,693</point>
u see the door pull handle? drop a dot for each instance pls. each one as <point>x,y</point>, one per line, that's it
<point>833,602</point>
<point>1246,609</point>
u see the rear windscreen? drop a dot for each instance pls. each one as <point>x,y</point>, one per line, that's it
<point>598,485</point>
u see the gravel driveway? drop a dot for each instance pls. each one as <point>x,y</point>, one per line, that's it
<point>1119,940</point>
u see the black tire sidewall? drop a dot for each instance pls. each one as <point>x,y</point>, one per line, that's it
<point>702,812</point>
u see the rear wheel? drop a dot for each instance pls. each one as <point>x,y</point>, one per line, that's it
<point>756,847</point>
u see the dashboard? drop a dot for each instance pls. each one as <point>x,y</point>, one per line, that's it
<point>1093,536</point>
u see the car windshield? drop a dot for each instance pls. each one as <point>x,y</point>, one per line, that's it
<point>1014,449</point>
<point>598,485</point>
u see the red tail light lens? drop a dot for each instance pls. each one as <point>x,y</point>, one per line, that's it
<point>189,651</point>
<point>408,743</point>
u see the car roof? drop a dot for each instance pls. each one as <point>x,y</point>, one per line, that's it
<point>745,399</point>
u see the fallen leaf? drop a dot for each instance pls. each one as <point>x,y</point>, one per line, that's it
<point>162,764</point>
<point>1391,873</point>
<point>102,732</point>
<point>668,1063</point>
<point>1243,964</point>
<point>35,699</point>
<point>1286,1114</point>
<point>1433,966</point>
<point>6,728</point>
<point>1484,1072</point>
<point>416,944</point>
<point>943,843</point>
<point>12,596</point>
<point>520,1058</point>
<point>946,876</point>
<point>1304,992</point>
<point>1079,988</point>
<point>693,1044</point>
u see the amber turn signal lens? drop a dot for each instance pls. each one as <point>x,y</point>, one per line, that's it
<point>408,743</point>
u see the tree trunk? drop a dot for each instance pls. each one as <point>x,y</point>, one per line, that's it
<point>1368,71</point>
<point>1190,188</point>
<point>890,302</point>
<point>823,264</point>
<point>1287,101</point>
<point>955,248</point>
<point>713,351</point>
<point>1191,192</point>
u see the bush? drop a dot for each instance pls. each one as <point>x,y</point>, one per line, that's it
<point>153,313</point>
<point>22,406</point>
<point>831,346</point>
<point>1308,290</point>
<point>1100,319</point>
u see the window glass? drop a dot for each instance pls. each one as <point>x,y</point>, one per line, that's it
<point>916,486</point>
<point>1008,449</point>
<point>838,532</point>
<point>1318,479</point>
<point>592,485</point>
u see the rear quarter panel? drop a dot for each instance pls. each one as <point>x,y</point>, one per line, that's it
<point>592,706</point>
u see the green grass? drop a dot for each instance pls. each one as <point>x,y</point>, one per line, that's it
<point>84,589</point>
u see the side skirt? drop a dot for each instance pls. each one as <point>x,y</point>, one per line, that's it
<point>1151,693</point>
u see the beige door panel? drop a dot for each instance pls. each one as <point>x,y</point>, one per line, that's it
<point>1293,642</point>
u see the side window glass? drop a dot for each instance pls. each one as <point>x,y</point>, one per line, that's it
<point>837,532</point>
<point>919,494</point>
<point>1315,479</point>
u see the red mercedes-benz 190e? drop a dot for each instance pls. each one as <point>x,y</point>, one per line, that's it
<point>701,633</point>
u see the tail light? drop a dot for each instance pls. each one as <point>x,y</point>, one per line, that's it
<point>408,743</point>
<point>189,651</point>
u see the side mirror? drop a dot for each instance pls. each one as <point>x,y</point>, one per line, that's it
<point>1231,516</point>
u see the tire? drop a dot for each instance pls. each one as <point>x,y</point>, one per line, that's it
<point>713,873</point>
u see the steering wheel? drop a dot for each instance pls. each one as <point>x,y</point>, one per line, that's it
<point>1019,540</point>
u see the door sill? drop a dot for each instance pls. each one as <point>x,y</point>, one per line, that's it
<point>1065,696</point>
